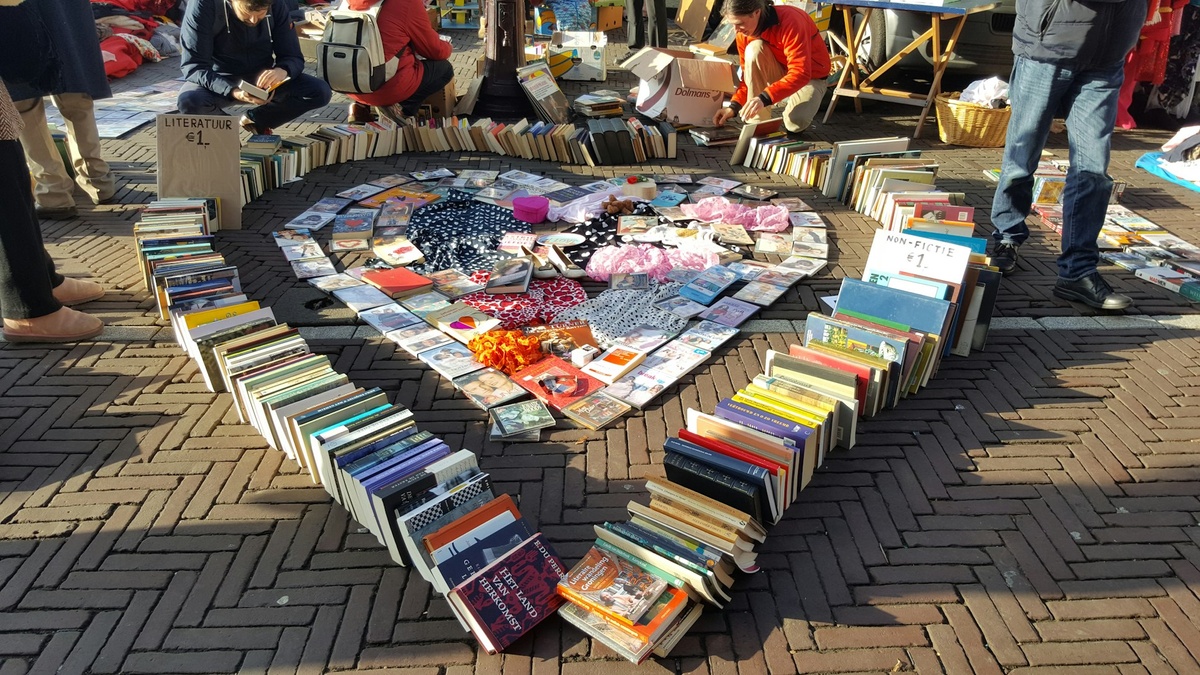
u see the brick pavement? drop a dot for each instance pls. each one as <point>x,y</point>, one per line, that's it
<point>1033,511</point>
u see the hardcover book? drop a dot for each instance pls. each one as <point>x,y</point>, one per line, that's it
<point>556,382</point>
<point>506,599</point>
<point>397,282</point>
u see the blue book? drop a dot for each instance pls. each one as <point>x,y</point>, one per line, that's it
<point>976,244</point>
<point>866,300</point>
<point>735,468</point>
<point>713,281</point>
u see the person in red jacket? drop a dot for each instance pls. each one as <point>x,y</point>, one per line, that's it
<point>783,60</point>
<point>406,32</point>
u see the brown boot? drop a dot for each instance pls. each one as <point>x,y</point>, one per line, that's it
<point>73,292</point>
<point>65,325</point>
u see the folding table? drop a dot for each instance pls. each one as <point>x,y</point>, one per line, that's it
<point>955,13</point>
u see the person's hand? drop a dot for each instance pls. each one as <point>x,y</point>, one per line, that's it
<point>242,96</point>
<point>722,116</point>
<point>752,107</point>
<point>269,79</point>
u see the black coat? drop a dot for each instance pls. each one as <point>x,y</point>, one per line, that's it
<point>73,38</point>
<point>1078,34</point>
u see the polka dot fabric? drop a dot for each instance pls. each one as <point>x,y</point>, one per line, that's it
<point>461,233</point>
<point>614,313</point>
<point>544,300</point>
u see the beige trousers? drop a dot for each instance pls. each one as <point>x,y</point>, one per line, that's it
<point>762,68</point>
<point>53,183</point>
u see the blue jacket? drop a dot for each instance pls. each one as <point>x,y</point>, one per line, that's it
<point>1078,34</point>
<point>219,50</point>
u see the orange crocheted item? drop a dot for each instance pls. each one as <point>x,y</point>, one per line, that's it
<point>506,350</point>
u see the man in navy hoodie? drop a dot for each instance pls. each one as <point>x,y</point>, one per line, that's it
<point>1070,59</point>
<point>226,42</point>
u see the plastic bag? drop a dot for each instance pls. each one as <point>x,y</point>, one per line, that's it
<point>984,92</point>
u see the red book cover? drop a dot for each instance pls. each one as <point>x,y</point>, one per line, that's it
<point>557,383</point>
<point>397,282</point>
<point>730,450</point>
<point>509,597</point>
<point>862,372</point>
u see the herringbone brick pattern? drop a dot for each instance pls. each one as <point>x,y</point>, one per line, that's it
<point>1033,511</point>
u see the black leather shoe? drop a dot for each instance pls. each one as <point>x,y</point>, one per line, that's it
<point>1004,257</point>
<point>1093,291</point>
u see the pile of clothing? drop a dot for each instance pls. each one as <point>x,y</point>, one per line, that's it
<point>134,31</point>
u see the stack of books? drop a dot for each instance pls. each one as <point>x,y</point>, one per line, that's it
<point>599,105</point>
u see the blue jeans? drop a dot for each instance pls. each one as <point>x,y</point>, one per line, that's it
<point>292,99</point>
<point>1038,91</point>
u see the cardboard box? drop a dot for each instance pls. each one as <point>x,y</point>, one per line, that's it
<point>442,102</point>
<point>435,17</point>
<point>679,86</point>
<point>610,17</point>
<point>585,51</point>
<point>310,37</point>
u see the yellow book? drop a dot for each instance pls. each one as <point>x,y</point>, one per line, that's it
<point>200,318</point>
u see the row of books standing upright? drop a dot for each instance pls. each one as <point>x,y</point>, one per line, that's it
<point>732,473</point>
<point>268,161</point>
<point>432,506</point>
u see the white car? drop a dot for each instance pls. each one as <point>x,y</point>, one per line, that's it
<point>984,46</point>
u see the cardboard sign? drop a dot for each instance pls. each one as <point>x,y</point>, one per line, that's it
<point>198,156</point>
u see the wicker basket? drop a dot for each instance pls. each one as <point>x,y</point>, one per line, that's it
<point>970,124</point>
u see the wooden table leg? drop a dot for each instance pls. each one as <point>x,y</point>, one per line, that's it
<point>941,59</point>
<point>851,66</point>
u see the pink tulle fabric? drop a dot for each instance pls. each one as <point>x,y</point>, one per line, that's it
<point>765,218</point>
<point>655,261</point>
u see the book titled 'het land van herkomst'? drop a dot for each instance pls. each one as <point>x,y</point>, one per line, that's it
<point>506,599</point>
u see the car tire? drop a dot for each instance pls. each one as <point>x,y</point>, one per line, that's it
<point>873,48</point>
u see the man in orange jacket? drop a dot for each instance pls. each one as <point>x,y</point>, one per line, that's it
<point>783,60</point>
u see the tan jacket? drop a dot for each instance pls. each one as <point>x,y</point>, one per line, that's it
<point>10,120</point>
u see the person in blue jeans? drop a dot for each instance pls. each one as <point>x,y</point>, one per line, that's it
<point>226,42</point>
<point>1069,60</point>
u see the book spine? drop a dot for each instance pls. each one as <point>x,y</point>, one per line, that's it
<point>759,420</point>
<point>722,463</point>
<point>671,579</point>
<point>725,488</point>
<point>382,450</point>
<point>641,538</point>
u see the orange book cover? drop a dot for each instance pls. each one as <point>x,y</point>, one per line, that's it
<point>612,586</point>
<point>450,532</point>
